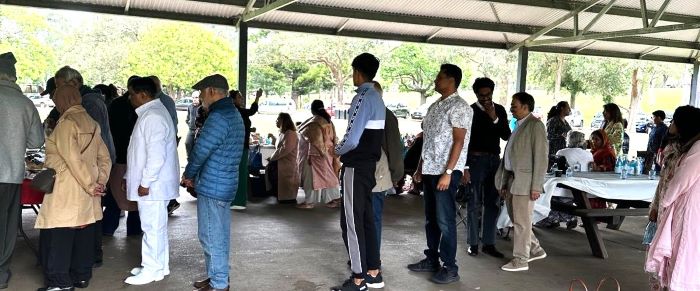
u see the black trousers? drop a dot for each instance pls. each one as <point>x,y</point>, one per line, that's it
<point>9,225</point>
<point>110,217</point>
<point>67,255</point>
<point>357,219</point>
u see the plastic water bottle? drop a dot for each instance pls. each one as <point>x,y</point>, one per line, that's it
<point>618,165</point>
<point>633,165</point>
<point>569,172</point>
<point>652,173</point>
<point>624,173</point>
<point>577,167</point>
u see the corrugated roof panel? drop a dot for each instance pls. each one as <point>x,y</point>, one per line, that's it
<point>468,34</point>
<point>526,15</point>
<point>390,27</point>
<point>455,9</point>
<point>674,52</point>
<point>688,7</point>
<point>293,18</point>
<point>686,35</point>
<point>616,47</point>
<point>117,3</point>
<point>188,7</point>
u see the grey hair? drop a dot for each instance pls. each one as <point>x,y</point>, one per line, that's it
<point>577,140</point>
<point>69,74</point>
<point>6,77</point>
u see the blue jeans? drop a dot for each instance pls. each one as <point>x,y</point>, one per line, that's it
<point>214,222</point>
<point>440,219</point>
<point>378,207</point>
<point>483,196</point>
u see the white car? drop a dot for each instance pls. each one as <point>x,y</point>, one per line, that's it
<point>275,106</point>
<point>575,119</point>
<point>420,112</point>
<point>41,101</point>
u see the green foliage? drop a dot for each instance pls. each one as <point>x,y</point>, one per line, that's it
<point>413,68</point>
<point>25,35</point>
<point>316,79</point>
<point>181,54</point>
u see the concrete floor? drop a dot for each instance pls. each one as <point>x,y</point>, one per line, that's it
<point>278,247</point>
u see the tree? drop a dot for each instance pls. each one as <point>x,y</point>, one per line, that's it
<point>24,34</point>
<point>292,70</point>
<point>414,68</point>
<point>181,54</point>
<point>316,79</point>
<point>498,65</point>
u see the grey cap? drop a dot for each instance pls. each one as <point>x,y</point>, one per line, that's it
<point>7,64</point>
<point>214,81</point>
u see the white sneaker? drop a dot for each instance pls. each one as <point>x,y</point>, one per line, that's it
<point>236,207</point>
<point>136,271</point>
<point>537,256</point>
<point>516,265</point>
<point>143,279</point>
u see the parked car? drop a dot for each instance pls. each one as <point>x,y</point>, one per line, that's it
<point>420,112</point>
<point>41,101</point>
<point>642,123</point>
<point>276,105</point>
<point>598,121</point>
<point>575,119</point>
<point>183,104</point>
<point>399,109</point>
<point>646,128</point>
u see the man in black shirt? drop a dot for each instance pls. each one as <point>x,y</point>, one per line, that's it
<point>489,127</point>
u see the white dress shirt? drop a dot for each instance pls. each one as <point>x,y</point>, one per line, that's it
<point>506,157</point>
<point>152,160</point>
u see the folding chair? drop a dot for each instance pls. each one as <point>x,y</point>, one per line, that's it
<point>461,200</point>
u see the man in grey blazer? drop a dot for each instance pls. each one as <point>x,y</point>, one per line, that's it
<point>520,179</point>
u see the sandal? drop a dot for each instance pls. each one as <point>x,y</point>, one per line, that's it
<point>305,206</point>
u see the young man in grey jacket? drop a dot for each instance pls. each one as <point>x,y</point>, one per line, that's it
<point>19,120</point>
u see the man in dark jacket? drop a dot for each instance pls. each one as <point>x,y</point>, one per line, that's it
<point>489,127</point>
<point>239,100</point>
<point>656,137</point>
<point>212,170</point>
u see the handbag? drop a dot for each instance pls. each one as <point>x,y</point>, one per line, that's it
<point>44,180</point>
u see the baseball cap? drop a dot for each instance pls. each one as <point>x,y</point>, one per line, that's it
<point>214,81</point>
<point>50,87</point>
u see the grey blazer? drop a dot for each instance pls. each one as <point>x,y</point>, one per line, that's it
<point>529,158</point>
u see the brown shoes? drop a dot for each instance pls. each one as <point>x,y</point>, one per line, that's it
<point>203,285</point>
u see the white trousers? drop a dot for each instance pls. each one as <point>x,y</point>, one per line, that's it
<point>154,246</point>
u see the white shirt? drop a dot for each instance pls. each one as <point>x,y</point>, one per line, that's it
<point>442,117</point>
<point>152,160</point>
<point>506,157</point>
<point>577,155</point>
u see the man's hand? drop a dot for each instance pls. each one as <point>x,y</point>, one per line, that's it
<point>99,190</point>
<point>534,195</point>
<point>258,94</point>
<point>444,182</point>
<point>186,182</point>
<point>466,178</point>
<point>143,191</point>
<point>418,177</point>
<point>490,109</point>
<point>653,214</point>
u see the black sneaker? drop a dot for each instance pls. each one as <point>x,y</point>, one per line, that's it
<point>374,282</point>
<point>426,265</point>
<point>473,250</point>
<point>445,276</point>
<point>172,206</point>
<point>81,284</point>
<point>349,285</point>
<point>492,251</point>
<point>56,289</point>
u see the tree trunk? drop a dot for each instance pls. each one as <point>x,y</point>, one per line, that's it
<point>557,85</point>
<point>634,101</point>
<point>572,102</point>
<point>423,97</point>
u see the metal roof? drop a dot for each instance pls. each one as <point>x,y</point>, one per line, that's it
<point>501,24</point>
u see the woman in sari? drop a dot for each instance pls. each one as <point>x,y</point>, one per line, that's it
<point>673,253</point>
<point>318,164</point>
<point>614,126</point>
<point>603,153</point>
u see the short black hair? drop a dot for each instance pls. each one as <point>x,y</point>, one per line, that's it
<point>145,85</point>
<point>525,99</point>
<point>367,64</point>
<point>686,119</point>
<point>131,79</point>
<point>452,71</point>
<point>659,113</point>
<point>482,83</point>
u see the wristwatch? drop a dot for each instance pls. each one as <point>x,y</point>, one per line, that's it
<point>448,172</point>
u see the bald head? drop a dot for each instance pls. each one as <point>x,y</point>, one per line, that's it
<point>66,97</point>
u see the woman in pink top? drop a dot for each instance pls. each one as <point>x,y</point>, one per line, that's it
<point>674,252</point>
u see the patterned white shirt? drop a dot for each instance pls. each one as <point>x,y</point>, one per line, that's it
<point>442,117</point>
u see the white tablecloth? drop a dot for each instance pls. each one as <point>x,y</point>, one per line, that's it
<point>603,185</point>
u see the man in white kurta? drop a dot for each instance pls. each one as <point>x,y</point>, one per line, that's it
<point>152,179</point>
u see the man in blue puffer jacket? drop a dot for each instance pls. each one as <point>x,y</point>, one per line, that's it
<point>212,169</point>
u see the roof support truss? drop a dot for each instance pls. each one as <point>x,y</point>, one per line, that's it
<point>554,25</point>
<point>279,4</point>
<point>614,34</point>
<point>659,13</point>
<point>645,18</point>
<point>598,16</point>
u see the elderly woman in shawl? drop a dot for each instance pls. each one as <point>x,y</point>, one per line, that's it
<point>67,217</point>
<point>673,254</point>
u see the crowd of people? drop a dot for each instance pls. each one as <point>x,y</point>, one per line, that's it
<point>119,153</point>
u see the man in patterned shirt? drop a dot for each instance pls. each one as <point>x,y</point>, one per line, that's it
<point>446,133</point>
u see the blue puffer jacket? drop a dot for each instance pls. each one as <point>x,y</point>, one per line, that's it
<point>213,162</point>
